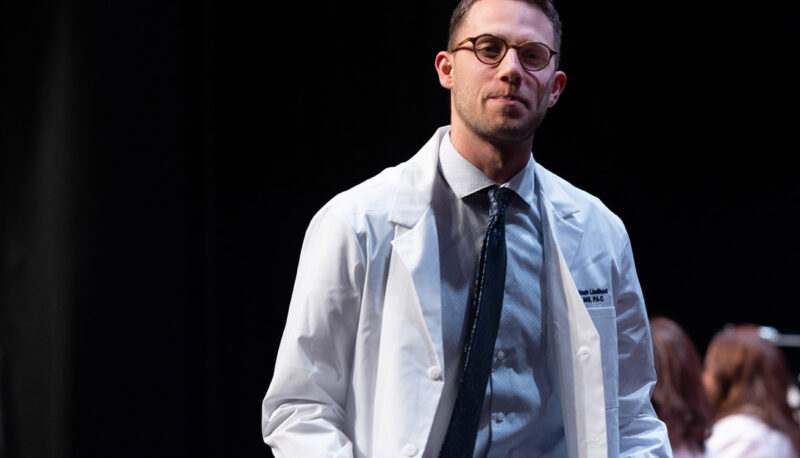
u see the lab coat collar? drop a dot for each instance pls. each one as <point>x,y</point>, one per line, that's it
<point>415,188</point>
<point>563,212</point>
<point>553,191</point>
<point>414,193</point>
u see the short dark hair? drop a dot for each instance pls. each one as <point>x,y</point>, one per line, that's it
<point>547,7</point>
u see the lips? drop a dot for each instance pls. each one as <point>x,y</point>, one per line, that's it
<point>509,97</point>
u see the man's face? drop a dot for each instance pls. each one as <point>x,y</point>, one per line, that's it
<point>505,102</point>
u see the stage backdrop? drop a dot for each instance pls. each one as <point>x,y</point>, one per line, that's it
<point>161,159</point>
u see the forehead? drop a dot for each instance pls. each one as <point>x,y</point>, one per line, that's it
<point>514,20</point>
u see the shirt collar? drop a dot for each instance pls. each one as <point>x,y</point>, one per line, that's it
<point>465,179</point>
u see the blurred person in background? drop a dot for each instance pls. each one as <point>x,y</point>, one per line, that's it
<point>747,381</point>
<point>679,398</point>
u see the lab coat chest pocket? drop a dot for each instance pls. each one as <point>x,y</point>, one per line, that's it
<point>605,321</point>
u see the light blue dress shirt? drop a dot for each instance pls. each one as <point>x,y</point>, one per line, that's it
<point>522,412</point>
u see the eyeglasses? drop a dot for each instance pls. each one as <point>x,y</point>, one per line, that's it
<point>491,49</point>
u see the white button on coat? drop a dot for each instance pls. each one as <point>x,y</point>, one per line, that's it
<point>584,353</point>
<point>409,450</point>
<point>434,373</point>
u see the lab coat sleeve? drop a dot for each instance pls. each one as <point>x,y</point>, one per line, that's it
<point>641,432</point>
<point>303,410</point>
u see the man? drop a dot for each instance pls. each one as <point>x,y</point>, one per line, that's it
<point>397,318</point>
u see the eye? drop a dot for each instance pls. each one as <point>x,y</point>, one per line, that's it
<point>534,55</point>
<point>531,54</point>
<point>490,48</point>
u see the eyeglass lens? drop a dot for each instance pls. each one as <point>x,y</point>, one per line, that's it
<point>491,49</point>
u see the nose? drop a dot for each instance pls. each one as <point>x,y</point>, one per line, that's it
<point>510,69</point>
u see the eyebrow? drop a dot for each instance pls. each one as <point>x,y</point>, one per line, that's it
<point>527,40</point>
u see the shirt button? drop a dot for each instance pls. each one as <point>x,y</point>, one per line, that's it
<point>409,450</point>
<point>499,417</point>
<point>434,373</point>
<point>584,353</point>
<point>500,355</point>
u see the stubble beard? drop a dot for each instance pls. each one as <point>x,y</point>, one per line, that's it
<point>507,127</point>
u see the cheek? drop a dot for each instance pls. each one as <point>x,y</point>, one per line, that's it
<point>542,89</point>
<point>472,80</point>
<point>466,91</point>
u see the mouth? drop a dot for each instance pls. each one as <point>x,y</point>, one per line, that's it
<point>509,99</point>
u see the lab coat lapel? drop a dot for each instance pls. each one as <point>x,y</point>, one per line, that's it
<point>409,372</point>
<point>577,344</point>
<point>416,243</point>
<point>562,211</point>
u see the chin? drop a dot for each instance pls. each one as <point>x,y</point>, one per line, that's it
<point>515,129</point>
<point>504,127</point>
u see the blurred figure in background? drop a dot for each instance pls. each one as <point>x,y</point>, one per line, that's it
<point>678,397</point>
<point>747,381</point>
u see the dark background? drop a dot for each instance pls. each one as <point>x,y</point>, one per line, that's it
<point>160,160</point>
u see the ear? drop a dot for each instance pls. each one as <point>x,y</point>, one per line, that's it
<point>559,81</point>
<point>444,67</point>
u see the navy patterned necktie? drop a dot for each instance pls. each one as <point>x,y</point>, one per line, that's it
<point>487,303</point>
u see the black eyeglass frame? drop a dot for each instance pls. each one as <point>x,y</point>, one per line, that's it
<point>507,46</point>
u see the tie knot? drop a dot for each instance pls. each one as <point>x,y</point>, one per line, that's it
<point>498,200</point>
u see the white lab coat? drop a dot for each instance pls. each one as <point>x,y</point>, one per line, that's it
<point>359,370</point>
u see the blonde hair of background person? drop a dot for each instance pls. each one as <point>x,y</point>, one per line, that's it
<point>679,398</point>
<point>747,381</point>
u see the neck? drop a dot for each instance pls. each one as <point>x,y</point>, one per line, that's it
<point>498,159</point>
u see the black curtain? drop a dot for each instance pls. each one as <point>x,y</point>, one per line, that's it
<point>160,161</point>
<point>107,222</point>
